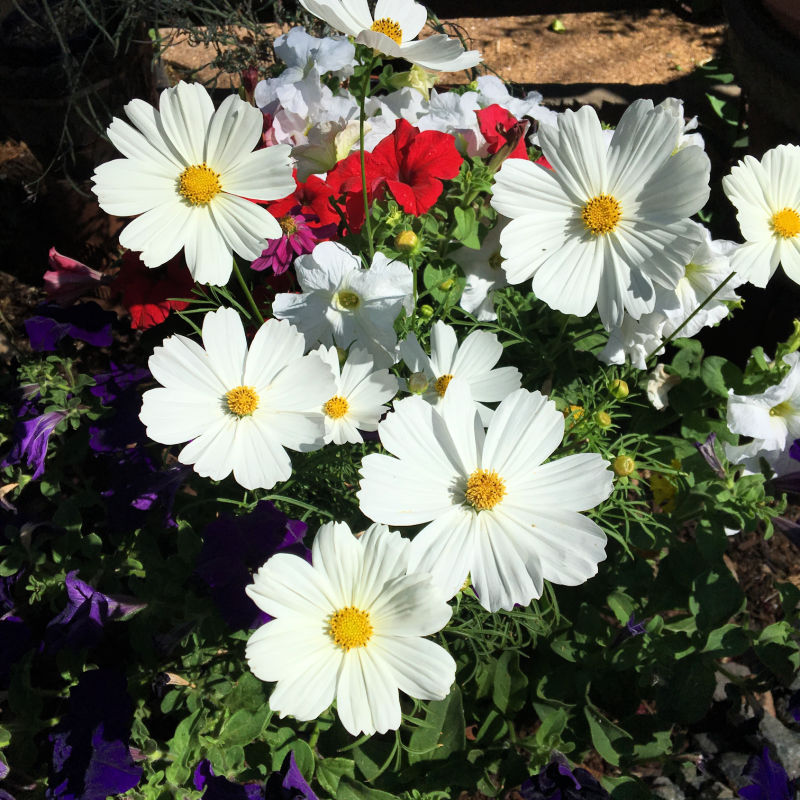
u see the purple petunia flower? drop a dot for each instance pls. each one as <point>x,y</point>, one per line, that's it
<point>81,623</point>
<point>32,437</point>
<point>91,758</point>
<point>557,781</point>
<point>233,546</point>
<point>633,627</point>
<point>87,322</point>
<point>298,239</point>
<point>794,450</point>
<point>286,784</point>
<point>768,779</point>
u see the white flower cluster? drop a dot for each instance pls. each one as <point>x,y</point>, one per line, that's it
<point>604,223</point>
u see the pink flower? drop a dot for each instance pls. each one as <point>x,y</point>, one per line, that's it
<point>67,279</point>
<point>298,239</point>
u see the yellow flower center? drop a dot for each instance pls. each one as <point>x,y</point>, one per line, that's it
<point>496,260</point>
<point>199,184</point>
<point>336,407</point>
<point>350,627</point>
<point>347,301</point>
<point>442,384</point>
<point>485,489</point>
<point>786,223</point>
<point>242,401</point>
<point>781,410</point>
<point>601,214</point>
<point>288,224</point>
<point>389,28</point>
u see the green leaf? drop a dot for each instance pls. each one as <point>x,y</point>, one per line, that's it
<point>719,375</point>
<point>728,640</point>
<point>243,727</point>
<point>606,735</point>
<point>182,743</point>
<point>466,230</point>
<point>687,362</point>
<point>510,684</point>
<point>444,733</point>
<point>621,604</point>
<point>331,770</point>
<point>716,597</point>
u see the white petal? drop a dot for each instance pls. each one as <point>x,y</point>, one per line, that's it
<point>212,452</point>
<point>438,53</point>
<point>410,605</point>
<point>288,586</point>
<point>225,343</point>
<point>524,431</point>
<point>275,346</point>
<point>421,668</point>
<point>337,554</point>
<point>208,254</point>
<point>260,461</point>
<point>186,110</point>
<point>575,483</point>
<point>408,14</point>
<point>233,132</point>
<point>265,174</point>
<point>244,225</point>
<point>366,694</point>
<point>180,363</point>
<point>161,232</point>
<point>171,416</point>
<point>444,346</point>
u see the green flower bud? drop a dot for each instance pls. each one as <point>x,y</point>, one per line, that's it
<point>447,284</point>
<point>603,419</point>
<point>406,241</point>
<point>623,465</point>
<point>418,382</point>
<point>426,311</point>
<point>619,389</point>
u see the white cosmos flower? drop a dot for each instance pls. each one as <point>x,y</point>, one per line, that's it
<point>391,31</point>
<point>482,269</point>
<point>349,627</point>
<point>188,171</point>
<point>772,418</point>
<point>344,304</point>
<point>358,401</point>
<point>766,194</point>
<point>473,362</point>
<point>494,510</point>
<point>238,409</point>
<point>604,224</point>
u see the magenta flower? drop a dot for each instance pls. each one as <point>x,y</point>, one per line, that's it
<point>68,279</point>
<point>298,239</point>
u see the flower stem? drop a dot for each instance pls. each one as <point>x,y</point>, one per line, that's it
<point>250,299</point>
<point>683,324</point>
<point>362,117</point>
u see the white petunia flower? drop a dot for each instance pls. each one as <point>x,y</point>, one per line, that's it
<point>766,194</point>
<point>190,174</point>
<point>392,31</point>
<point>349,627</point>
<point>604,224</point>
<point>484,273</point>
<point>494,510</point>
<point>473,362</point>
<point>358,401</point>
<point>453,113</point>
<point>238,409</point>
<point>302,51</point>
<point>772,418</point>
<point>343,304</point>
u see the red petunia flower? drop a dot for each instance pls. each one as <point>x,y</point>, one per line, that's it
<point>146,292</point>
<point>498,128</point>
<point>409,163</point>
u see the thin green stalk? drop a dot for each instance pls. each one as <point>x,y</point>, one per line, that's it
<point>690,317</point>
<point>362,117</point>
<point>239,277</point>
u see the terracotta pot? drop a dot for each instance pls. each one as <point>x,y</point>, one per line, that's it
<point>787,13</point>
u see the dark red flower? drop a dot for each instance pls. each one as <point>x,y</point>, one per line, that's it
<point>498,128</point>
<point>409,163</point>
<point>543,162</point>
<point>147,293</point>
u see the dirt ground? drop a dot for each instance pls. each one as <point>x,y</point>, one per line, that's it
<point>651,46</point>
